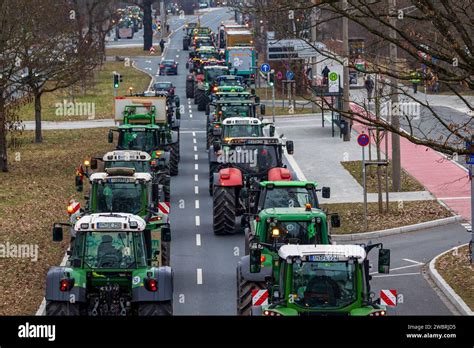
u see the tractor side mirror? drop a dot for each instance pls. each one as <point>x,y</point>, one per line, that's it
<point>335,221</point>
<point>166,234</point>
<point>217,132</point>
<point>93,163</point>
<point>272,130</point>
<point>290,147</point>
<point>262,109</point>
<point>57,233</point>
<point>255,260</point>
<point>384,261</point>
<point>110,137</point>
<point>79,183</point>
<point>177,101</point>
<point>326,192</point>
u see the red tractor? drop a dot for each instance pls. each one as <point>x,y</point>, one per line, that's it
<point>237,168</point>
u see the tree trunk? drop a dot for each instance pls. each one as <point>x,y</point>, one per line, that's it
<point>3,138</point>
<point>147,25</point>
<point>38,135</point>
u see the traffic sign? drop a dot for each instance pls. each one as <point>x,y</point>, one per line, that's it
<point>388,298</point>
<point>265,67</point>
<point>470,147</point>
<point>333,82</point>
<point>363,140</point>
<point>154,26</point>
<point>290,75</point>
<point>279,75</point>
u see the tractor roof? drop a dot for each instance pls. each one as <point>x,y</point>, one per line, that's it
<point>121,173</point>
<point>326,252</point>
<point>110,222</point>
<point>254,141</point>
<point>206,49</point>
<point>216,67</point>
<point>126,155</point>
<point>290,214</point>
<point>241,121</point>
<point>288,183</point>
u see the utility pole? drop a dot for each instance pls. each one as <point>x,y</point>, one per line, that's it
<point>162,19</point>
<point>313,58</point>
<point>345,44</point>
<point>395,121</point>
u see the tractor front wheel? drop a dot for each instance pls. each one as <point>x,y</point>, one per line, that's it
<point>174,159</point>
<point>153,309</point>
<point>56,308</point>
<point>224,208</point>
<point>244,293</point>
<point>189,89</point>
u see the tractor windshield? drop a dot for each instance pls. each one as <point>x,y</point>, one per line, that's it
<point>137,140</point>
<point>237,110</point>
<point>122,197</point>
<point>289,197</point>
<point>230,82</point>
<point>139,166</point>
<point>295,232</point>
<point>324,284</point>
<point>212,74</point>
<point>252,159</point>
<point>242,130</point>
<point>124,250</point>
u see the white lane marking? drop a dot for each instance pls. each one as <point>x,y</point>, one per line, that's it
<point>190,115</point>
<point>189,101</point>
<point>412,261</point>
<point>196,190</point>
<point>195,148</point>
<point>395,275</point>
<point>177,56</point>
<point>198,220</point>
<point>294,165</point>
<point>189,132</point>
<point>196,177</point>
<point>194,134</point>
<point>194,141</point>
<point>196,204</point>
<point>196,166</point>
<point>196,157</point>
<point>199,276</point>
<point>398,268</point>
<point>198,239</point>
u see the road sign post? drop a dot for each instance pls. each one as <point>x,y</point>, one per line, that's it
<point>470,161</point>
<point>363,140</point>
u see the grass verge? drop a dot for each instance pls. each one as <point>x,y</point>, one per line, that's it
<point>33,195</point>
<point>412,212</point>
<point>99,96</point>
<point>409,184</point>
<point>455,269</point>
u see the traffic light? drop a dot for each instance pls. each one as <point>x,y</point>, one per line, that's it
<point>116,80</point>
<point>271,77</point>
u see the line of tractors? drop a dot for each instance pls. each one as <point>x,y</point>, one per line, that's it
<point>119,257</point>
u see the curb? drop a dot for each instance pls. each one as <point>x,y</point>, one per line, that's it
<point>397,230</point>
<point>448,291</point>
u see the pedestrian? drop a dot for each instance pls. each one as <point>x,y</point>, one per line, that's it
<point>325,73</point>
<point>162,45</point>
<point>369,86</point>
<point>167,28</point>
<point>415,80</point>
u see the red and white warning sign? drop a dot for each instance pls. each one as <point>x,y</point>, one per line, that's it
<point>73,207</point>
<point>164,207</point>
<point>152,50</point>
<point>388,298</point>
<point>259,297</point>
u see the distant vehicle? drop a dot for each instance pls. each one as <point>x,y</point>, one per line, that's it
<point>203,5</point>
<point>164,86</point>
<point>168,67</point>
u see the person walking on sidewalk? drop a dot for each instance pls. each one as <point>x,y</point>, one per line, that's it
<point>325,73</point>
<point>369,86</point>
<point>162,45</point>
<point>415,80</point>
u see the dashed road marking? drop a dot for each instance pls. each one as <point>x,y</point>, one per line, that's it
<point>198,220</point>
<point>395,275</point>
<point>468,227</point>
<point>196,190</point>
<point>412,261</point>
<point>198,239</point>
<point>195,148</point>
<point>194,141</point>
<point>196,157</point>
<point>196,166</point>
<point>196,177</point>
<point>194,134</point>
<point>199,276</point>
<point>196,204</point>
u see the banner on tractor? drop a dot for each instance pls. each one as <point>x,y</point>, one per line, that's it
<point>142,105</point>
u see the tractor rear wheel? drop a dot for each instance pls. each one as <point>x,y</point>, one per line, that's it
<point>196,91</point>
<point>199,98</point>
<point>174,158</point>
<point>202,102</point>
<point>212,170</point>
<point>165,253</point>
<point>167,188</point>
<point>152,309</point>
<point>244,293</point>
<point>224,208</point>
<point>189,89</point>
<point>56,308</point>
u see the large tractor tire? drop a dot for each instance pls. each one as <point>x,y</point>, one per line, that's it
<point>212,170</point>
<point>153,309</point>
<point>167,188</point>
<point>165,253</point>
<point>225,210</point>
<point>244,293</point>
<point>202,102</point>
<point>196,91</point>
<point>189,89</point>
<point>174,159</point>
<point>185,45</point>
<point>56,308</point>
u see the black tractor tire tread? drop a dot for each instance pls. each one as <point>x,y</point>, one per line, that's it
<point>244,293</point>
<point>59,308</point>
<point>174,159</point>
<point>153,309</point>
<point>224,209</point>
<point>189,89</point>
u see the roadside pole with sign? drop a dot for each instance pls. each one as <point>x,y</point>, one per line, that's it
<point>363,140</point>
<point>470,161</point>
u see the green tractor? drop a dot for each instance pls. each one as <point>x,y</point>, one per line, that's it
<point>188,34</point>
<point>146,127</point>
<point>203,90</point>
<point>312,280</point>
<point>121,189</point>
<point>109,271</point>
<point>272,228</point>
